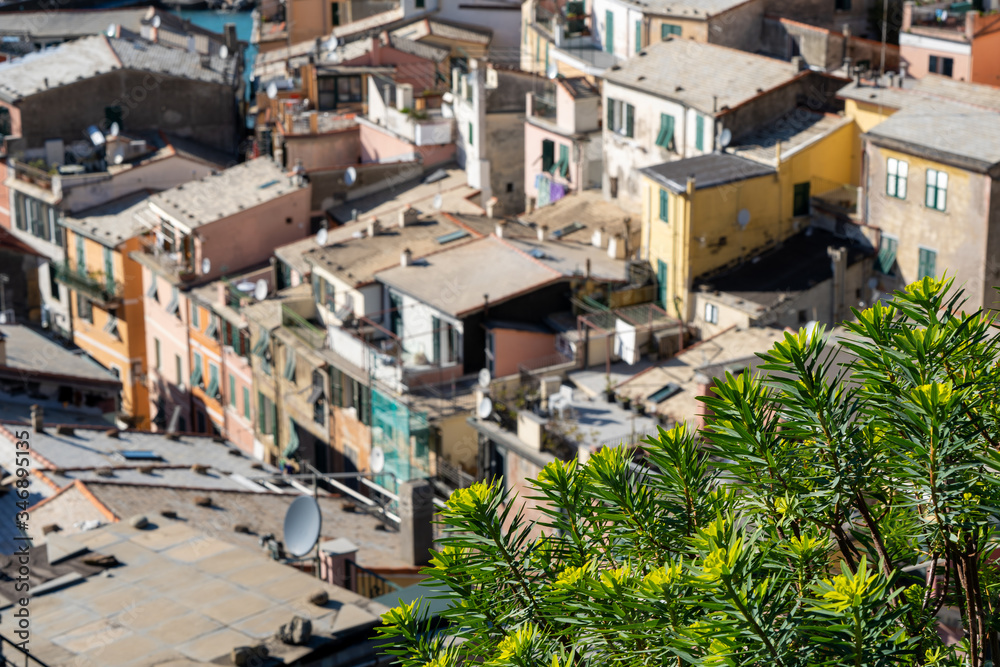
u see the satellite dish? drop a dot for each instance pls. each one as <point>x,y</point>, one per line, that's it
<point>377,460</point>
<point>114,130</point>
<point>302,525</point>
<point>206,265</point>
<point>260,290</point>
<point>3,318</point>
<point>156,21</point>
<point>245,286</point>
<point>272,90</point>
<point>351,175</point>
<point>485,408</point>
<point>438,201</point>
<point>552,71</point>
<point>112,30</point>
<point>725,138</point>
<point>322,236</point>
<point>119,158</point>
<point>96,136</point>
<point>743,217</point>
<point>223,51</point>
<point>331,43</point>
<point>485,378</point>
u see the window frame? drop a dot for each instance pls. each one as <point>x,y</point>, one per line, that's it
<point>711,313</point>
<point>664,205</point>
<point>932,180</point>
<point>894,178</point>
<point>923,254</point>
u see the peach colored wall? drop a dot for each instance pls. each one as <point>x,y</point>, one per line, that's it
<point>324,151</point>
<point>211,353</point>
<point>986,50</point>
<point>172,332</point>
<point>513,347</point>
<point>533,137</point>
<point>4,195</point>
<point>239,429</point>
<point>918,60</point>
<point>411,69</point>
<point>378,146</point>
<point>15,119</point>
<point>250,237</point>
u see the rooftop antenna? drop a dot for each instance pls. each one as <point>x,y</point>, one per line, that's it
<point>303,522</point>
<point>260,290</point>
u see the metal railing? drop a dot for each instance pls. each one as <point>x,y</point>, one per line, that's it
<point>93,283</point>
<point>29,174</point>
<point>13,655</point>
<point>170,261</point>
<point>364,582</point>
<point>303,329</point>
<point>454,476</point>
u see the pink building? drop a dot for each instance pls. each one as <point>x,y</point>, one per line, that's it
<point>201,232</point>
<point>562,141</point>
<point>939,40</point>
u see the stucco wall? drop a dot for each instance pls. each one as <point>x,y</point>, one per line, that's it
<point>156,175</point>
<point>986,50</point>
<point>324,151</point>
<point>506,142</point>
<point>381,146</point>
<point>513,348</point>
<point>172,332</point>
<point>917,50</point>
<point>239,429</point>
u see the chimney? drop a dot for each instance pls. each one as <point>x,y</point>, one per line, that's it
<point>491,207</point>
<point>587,274</point>
<point>37,419</point>
<point>313,122</point>
<point>799,63</point>
<point>405,257</point>
<point>416,516</point>
<point>838,264</point>
<point>498,228</point>
<point>230,39</point>
<point>542,229</point>
<point>903,65</point>
<point>407,216</point>
<point>970,25</point>
<point>404,96</point>
<point>374,226</point>
<point>690,181</point>
<point>616,247</point>
<point>597,238</point>
<point>907,16</point>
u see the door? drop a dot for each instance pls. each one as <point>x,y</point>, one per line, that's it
<point>661,282</point>
<point>609,31</point>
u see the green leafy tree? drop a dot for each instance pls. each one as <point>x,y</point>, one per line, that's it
<point>827,512</point>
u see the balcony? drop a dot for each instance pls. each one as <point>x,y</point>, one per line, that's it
<point>170,261</point>
<point>30,173</point>
<point>94,284</point>
<point>309,333</point>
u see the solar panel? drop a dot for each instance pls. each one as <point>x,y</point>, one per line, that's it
<point>665,392</point>
<point>138,455</point>
<point>453,236</point>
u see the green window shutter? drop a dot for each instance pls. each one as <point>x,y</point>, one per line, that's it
<point>547,45</point>
<point>436,333</point>
<point>609,31</point>
<point>196,373</point>
<point>611,114</point>
<point>629,120</point>
<point>927,264</point>
<point>81,256</point>
<point>665,139</point>
<point>109,269</point>
<point>213,380</point>
<point>232,391</point>
<point>563,160</point>
<point>336,388</point>
<point>548,154</point>
<point>664,206</point>
<point>246,403</point>
<point>194,316</point>
<point>887,254</point>
<point>800,199</point>
<point>699,133</point>
<point>661,282</point>
<point>470,134</point>
<point>261,415</point>
<point>638,36</point>
<point>667,29</point>
<point>289,364</point>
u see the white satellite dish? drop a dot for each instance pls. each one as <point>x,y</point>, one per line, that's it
<point>206,265</point>
<point>245,286</point>
<point>350,176</point>
<point>272,90</point>
<point>331,43</point>
<point>322,236</point>
<point>119,158</point>
<point>743,217</point>
<point>223,51</point>
<point>303,522</point>
<point>3,318</point>
<point>485,408</point>
<point>114,130</point>
<point>377,460</point>
<point>485,378</point>
<point>156,21</point>
<point>112,30</point>
<point>552,72</point>
<point>260,290</point>
<point>438,201</point>
<point>725,138</point>
<point>96,136</point>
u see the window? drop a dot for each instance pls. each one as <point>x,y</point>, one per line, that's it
<point>289,373</point>
<point>153,291</point>
<point>57,230</point>
<point>213,380</point>
<point>562,167</point>
<point>84,308</point>
<point>109,269</point>
<point>334,90</point>
<point>887,254</point>
<point>621,117</point>
<point>396,314</point>
<point>668,29</point>
<point>212,331</point>
<point>81,256</point>
<point>246,403</point>
<point>609,31</point>
<point>895,179</point>
<point>196,374</point>
<point>664,206</point>
<point>173,306</point>
<point>548,155</point>
<point>195,319</point>
<point>661,282</point>
<point>711,313</point>
<point>927,263</point>
<point>200,420</point>
<point>941,65</point>
<point>800,199</point>
<point>156,345</point>
<point>232,390</point>
<point>420,4</point>
<point>665,139</point>
<point>842,5</point>
<point>471,142</point>
<point>335,13</point>
<point>699,132</point>
<point>638,36</point>
<point>19,211</point>
<point>177,366</point>
<point>53,283</point>
<point>937,189</point>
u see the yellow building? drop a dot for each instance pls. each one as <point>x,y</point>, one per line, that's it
<point>704,214</point>
<point>106,296</point>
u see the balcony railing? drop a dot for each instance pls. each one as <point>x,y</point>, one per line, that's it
<point>92,283</point>
<point>30,174</point>
<point>309,333</point>
<point>171,261</point>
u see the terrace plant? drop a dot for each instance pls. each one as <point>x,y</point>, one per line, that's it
<point>830,508</point>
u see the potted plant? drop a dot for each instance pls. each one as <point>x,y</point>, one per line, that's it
<point>609,390</point>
